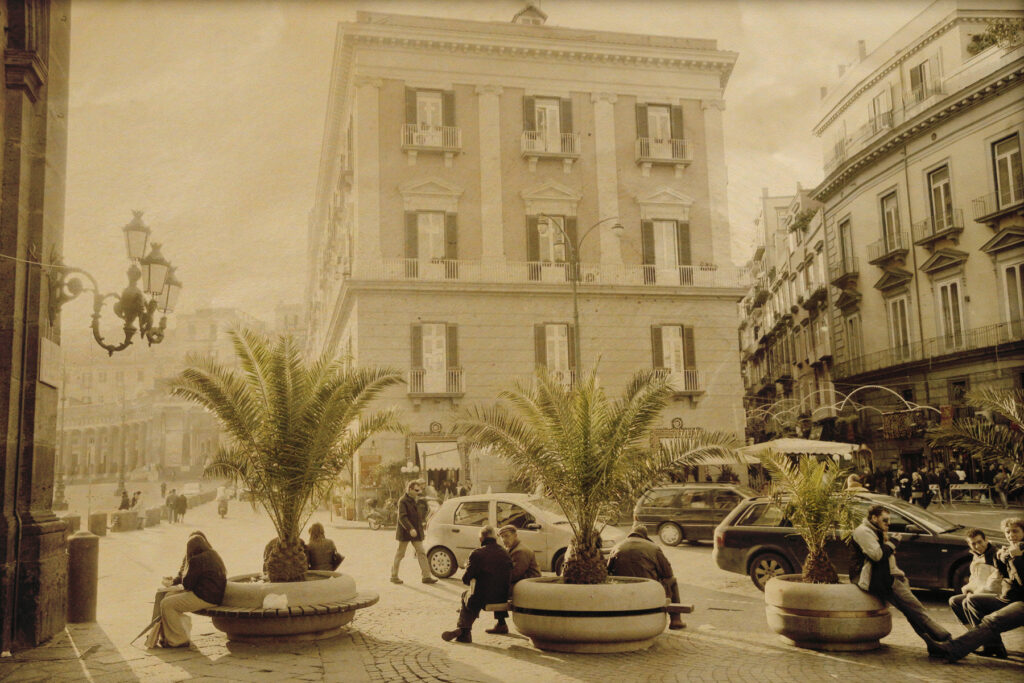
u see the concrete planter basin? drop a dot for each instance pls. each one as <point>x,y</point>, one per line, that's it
<point>836,617</point>
<point>622,615</point>
<point>317,607</point>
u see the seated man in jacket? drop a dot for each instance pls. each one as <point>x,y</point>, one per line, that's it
<point>992,615</point>
<point>638,555</point>
<point>874,570</point>
<point>487,576</point>
<point>984,577</point>
<point>524,566</point>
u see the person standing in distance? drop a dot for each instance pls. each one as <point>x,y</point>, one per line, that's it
<point>410,530</point>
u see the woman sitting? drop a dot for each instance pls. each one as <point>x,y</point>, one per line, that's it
<point>203,582</point>
<point>322,553</point>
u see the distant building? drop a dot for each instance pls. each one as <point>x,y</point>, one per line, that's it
<point>456,155</point>
<point>924,223</point>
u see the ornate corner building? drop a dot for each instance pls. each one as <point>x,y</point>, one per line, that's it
<point>460,162</point>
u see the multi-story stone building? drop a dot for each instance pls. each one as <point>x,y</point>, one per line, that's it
<point>460,162</point>
<point>923,203</point>
<point>784,340</point>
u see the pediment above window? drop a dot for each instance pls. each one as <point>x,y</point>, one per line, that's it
<point>849,299</point>
<point>893,278</point>
<point>552,198</point>
<point>430,194</point>
<point>665,203</point>
<point>1007,238</point>
<point>943,259</point>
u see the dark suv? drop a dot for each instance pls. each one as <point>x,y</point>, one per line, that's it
<point>687,512</point>
<point>756,539</point>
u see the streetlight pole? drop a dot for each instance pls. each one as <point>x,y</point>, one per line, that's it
<point>574,270</point>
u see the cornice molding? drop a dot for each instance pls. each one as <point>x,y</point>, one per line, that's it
<point>718,104</point>
<point>488,90</point>
<point>608,97</point>
<point>24,70</point>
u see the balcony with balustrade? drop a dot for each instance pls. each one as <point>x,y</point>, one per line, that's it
<point>892,247</point>
<point>992,207</point>
<point>652,151</point>
<point>418,138</point>
<point>942,226</point>
<point>425,383</point>
<point>536,145</point>
<point>847,271</point>
<point>689,384</point>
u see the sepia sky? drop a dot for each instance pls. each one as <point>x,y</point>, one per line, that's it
<point>208,115</point>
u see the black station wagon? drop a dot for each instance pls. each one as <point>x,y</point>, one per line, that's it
<point>687,512</point>
<point>756,539</point>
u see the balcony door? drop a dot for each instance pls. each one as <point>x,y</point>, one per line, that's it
<point>435,355</point>
<point>951,312</point>
<point>1009,175</point>
<point>1013,282</point>
<point>899,329</point>
<point>666,251</point>
<point>659,128</point>
<point>429,118</point>
<point>891,223</point>
<point>941,199</point>
<point>548,119</point>
<point>919,77</point>
<point>556,351</point>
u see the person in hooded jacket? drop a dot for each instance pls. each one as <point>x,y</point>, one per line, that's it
<point>204,581</point>
<point>637,555</point>
<point>488,575</point>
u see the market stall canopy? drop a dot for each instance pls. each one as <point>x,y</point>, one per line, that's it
<point>438,455</point>
<point>802,447</point>
<point>725,460</point>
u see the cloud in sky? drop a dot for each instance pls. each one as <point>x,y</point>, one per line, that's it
<point>209,116</point>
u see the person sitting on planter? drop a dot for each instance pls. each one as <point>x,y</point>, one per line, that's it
<point>410,530</point>
<point>203,583</point>
<point>874,570</point>
<point>992,615</point>
<point>984,577</point>
<point>321,551</point>
<point>524,566</point>
<point>637,555</point>
<point>487,575</point>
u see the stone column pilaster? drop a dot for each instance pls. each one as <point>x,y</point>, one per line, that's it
<point>492,237</point>
<point>718,182</point>
<point>367,175</point>
<point>607,172</point>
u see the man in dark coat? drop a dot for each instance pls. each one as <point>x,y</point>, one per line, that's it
<point>524,566</point>
<point>637,555</point>
<point>487,575</point>
<point>180,506</point>
<point>410,530</point>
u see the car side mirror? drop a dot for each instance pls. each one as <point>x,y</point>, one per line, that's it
<point>913,529</point>
<point>533,526</point>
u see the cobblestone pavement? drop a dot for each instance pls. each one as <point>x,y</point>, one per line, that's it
<point>398,639</point>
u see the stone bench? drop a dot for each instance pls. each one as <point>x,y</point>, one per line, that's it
<point>299,622</point>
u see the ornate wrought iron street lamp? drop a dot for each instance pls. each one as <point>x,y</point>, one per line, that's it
<point>138,304</point>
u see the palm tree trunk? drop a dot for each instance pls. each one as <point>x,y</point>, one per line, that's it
<point>587,564</point>
<point>819,569</point>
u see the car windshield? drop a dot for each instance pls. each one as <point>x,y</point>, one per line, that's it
<point>550,506</point>
<point>931,521</point>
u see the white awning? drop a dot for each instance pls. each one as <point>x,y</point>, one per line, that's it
<point>802,447</point>
<point>438,455</point>
<point>725,460</point>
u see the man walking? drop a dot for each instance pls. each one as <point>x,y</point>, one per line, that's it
<point>637,555</point>
<point>524,566</point>
<point>874,570</point>
<point>410,530</point>
<point>487,576</point>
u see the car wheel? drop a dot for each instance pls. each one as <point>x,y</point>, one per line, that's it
<point>961,575</point>
<point>442,562</point>
<point>670,534</point>
<point>558,563</point>
<point>766,566</point>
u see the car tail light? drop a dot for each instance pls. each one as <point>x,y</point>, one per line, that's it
<point>719,539</point>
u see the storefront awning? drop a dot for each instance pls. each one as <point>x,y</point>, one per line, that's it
<point>802,447</point>
<point>438,455</point>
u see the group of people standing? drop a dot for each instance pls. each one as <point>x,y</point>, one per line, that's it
<point>921,486</point>
<point>177,506</point>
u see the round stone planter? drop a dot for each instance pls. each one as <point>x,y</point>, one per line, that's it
<point>619,616</point>
<point>837,617</point>
<point>317,607</point>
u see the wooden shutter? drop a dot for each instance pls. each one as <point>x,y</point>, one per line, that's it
<point>565,112</point>
<point>529,114</point>
<point>677,122</point>
<point>452,345</point>
<point>647,241</point>
<point>658,355</point>
<point>570,332</point>
<point>532,239</point>
<point>410,105</point>
<point>540,344</point>
<point>683,243</point>
<point>451,244</point>
<point>689,353</point>
<point>641,121</point>
<point>448,107</point>
<point>416,344</point>
<point>412,235</point>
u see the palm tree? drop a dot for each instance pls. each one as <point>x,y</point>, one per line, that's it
<point>292,428</point>
<point>585,450</point>
<point>993,441</point>
<point>816,505</point>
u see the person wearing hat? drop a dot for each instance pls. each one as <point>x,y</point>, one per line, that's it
<point>524,566</point>
<point>637,555</point>
<point>487,575</point>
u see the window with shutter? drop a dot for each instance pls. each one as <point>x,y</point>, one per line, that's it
<point>891,223</point>
<point>1009,173</point>
<point>941,199</point>
<point>435,358</point>
<point>951,314</point>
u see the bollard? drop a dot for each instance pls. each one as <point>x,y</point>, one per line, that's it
<point>98,523</point>
<point>83,572</point>
<point>73,521</point>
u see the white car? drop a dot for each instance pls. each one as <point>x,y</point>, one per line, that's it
<point>453,532</point>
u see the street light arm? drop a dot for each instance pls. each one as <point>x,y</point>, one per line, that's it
<point>551,222</point>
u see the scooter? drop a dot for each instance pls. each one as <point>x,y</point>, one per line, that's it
<point>222,507</point>
<point>378,518</point>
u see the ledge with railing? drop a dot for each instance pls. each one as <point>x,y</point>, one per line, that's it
<point>663,151</point>
<point>689,382</point>
<point>528,272</point>
<point>846,270</point>
<point>891,246</point>
<point>536,143</point>
<point>989,208</point>
<point>936,347</point>
<point>431,138</point>
<point>944,225</point>
<point>447,382</point>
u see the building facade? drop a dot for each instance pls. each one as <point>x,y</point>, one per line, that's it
<point>462,161</point>
<point>924,223</point>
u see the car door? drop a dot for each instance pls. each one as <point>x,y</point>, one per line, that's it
<point>659,505</point>
<point>535,538</point>
<point>695,514</point>
<point>464,534</point>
